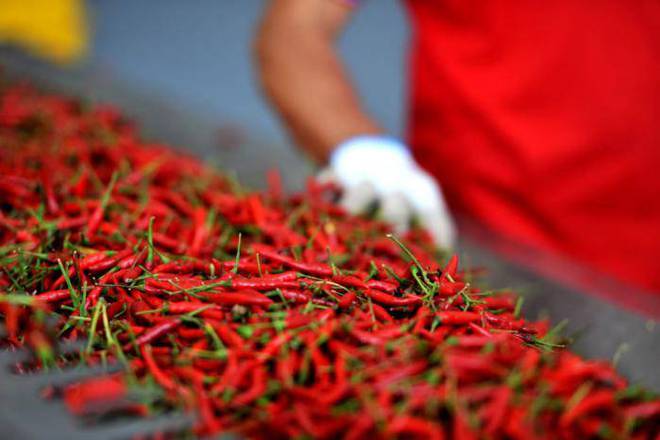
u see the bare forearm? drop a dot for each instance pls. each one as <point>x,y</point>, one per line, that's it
<point>303,77</point>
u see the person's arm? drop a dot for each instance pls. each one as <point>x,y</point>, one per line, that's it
<point>302,75</point>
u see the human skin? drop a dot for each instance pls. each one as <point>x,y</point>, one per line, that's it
<point>302,74</point>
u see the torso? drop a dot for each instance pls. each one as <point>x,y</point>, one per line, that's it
<point>542,120</point>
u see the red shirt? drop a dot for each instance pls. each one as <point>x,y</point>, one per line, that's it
<point>542,121</point>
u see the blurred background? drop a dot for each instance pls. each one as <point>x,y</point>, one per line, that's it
<point>193,60</point>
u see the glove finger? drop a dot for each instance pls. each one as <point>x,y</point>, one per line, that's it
<point>356,199</point>
<point>326,175</point>
<point>428,202</point>
<point>440,225</point>
<point>395,209</point>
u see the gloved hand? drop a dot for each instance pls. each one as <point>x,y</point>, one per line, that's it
<point>378,168</point>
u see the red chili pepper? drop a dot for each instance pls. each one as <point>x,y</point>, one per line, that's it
<point>462,430</point>
<point>415,427</point>
<point>457,317</point>
<point>54,295</point>
<point>199,232</point>
<point>182,307</point>
<point>191,333</point>
<point>97,215</point>
<point>163,379</point>
<point>49,192</point>
<point>466,365</point>
<point>93,259</point>
<point>347,300</point>
<point>99,264</point>
<point>274,345</point>
<point>646,410</point>
<point>382,285</point>
<point>349,281</point>
<point>213,313</point>
<point>71,223</point>
<point>265,283</point>
<point>132,260</point>
<point>449,289</point>
<point>245,297</point>
<point>451,267</point>
<point>296,296</point>
<point>602,399</point>
<point>381,313</point>
<point>311,268</point>
<point>497,409</point>
<point>94,393</point>
<point>12,317</point>
<point>392,301</point>
<point>155,332</point>
<point>166,242</point>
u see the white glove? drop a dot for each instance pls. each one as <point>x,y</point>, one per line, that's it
<point>378,168</point>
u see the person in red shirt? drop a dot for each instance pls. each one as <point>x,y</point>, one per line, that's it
<point>541,120</point>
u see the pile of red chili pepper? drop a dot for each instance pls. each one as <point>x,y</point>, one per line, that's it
<point>268,315</point>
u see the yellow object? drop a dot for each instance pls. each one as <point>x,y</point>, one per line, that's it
<point>54,29</point>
